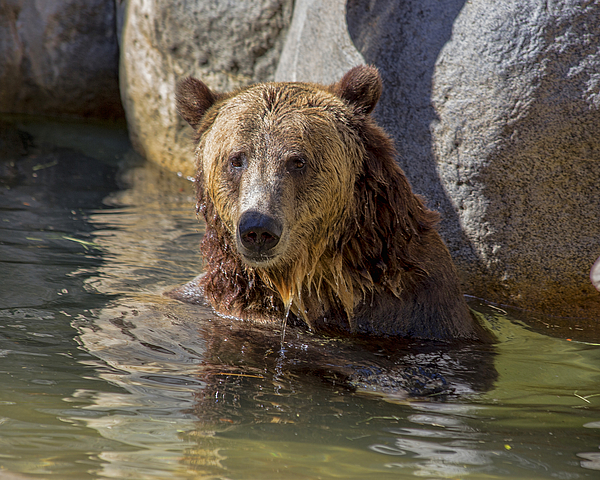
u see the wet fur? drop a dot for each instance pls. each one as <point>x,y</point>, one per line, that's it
<point>378,267</point>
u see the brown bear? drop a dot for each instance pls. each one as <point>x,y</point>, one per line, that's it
<point>308,216</point>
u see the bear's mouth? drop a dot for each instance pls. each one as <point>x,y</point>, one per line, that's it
<point>258,259</point>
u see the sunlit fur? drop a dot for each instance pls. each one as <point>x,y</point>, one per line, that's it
<point>359,251</point>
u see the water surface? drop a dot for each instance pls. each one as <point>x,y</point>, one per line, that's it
<point>103,377</point>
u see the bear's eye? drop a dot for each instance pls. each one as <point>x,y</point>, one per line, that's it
<point>237,160</point>
<point>296,164</point>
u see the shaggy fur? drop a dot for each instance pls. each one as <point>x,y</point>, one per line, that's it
<point>359,252</point>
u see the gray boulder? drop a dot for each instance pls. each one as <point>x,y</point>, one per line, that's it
<point>227,44</point>
<point>318,46</point>
<point>495,109</point>
<point>59,57</point>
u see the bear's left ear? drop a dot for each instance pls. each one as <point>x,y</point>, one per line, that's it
<point>194,98</point>
<point>361,87</point>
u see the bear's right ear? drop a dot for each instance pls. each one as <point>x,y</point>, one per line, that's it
<point>361,87</point>
<point>194,98</point>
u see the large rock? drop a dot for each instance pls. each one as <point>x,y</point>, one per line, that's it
<point>495,110</point>
<point>59,57</point>
<point>227,44</point>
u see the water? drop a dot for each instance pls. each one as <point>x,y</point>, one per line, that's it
<point>103,377</point>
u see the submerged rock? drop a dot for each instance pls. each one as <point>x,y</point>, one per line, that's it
<point>59,58</point>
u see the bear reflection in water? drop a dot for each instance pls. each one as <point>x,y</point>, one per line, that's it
<point>308,216</point>
<point>242,373</point>
<point>251,377</point>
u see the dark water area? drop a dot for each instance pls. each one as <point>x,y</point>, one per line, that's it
<point>104,377</point>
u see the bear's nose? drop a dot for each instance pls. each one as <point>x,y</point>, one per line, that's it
<point>258,233</point>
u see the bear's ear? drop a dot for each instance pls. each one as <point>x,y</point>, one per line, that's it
<point>360,87</point>
<point>194,98</point>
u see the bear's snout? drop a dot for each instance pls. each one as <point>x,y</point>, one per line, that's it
<point>258,234</point>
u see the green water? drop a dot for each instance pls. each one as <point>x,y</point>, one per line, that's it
<point>103,377</point>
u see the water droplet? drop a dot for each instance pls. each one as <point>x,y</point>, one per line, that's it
<point>284,321</point>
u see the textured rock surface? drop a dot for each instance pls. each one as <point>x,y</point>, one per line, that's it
<point>59,57</point>
<point>518,150</point>
<point>318,46</point>
<point>495,112</point>
<point>227,44</point>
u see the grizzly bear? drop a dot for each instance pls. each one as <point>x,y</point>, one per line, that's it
<point>310,220</point>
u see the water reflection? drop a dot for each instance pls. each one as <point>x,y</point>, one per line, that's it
<point>218,384</point>
<point>45,194</point>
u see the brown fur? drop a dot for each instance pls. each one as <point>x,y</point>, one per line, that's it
<point>359,252</point>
